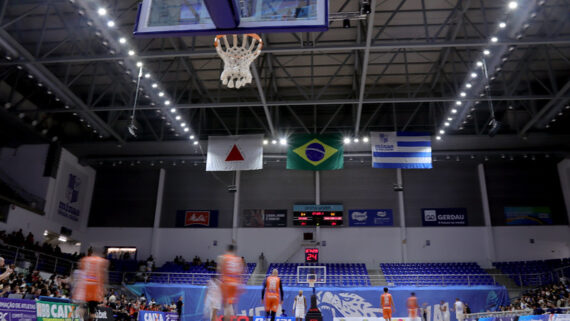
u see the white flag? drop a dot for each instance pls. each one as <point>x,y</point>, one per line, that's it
<point>400,149</point>
<point>235,153</point>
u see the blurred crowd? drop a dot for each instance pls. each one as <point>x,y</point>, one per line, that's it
<point>29,242</point>
<point>548,299</point>
<point>32,285</point>
<point>126,308</point>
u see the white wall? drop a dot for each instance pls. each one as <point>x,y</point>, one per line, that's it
<point>447,244</point>
<point>140,238</point>
<point>513,243</point>
<point>189,242</point>
<point>56,193</point>
<point>19,218</point>
<point>361,244</point>
<point>25,165</point>
<point>367,245</point>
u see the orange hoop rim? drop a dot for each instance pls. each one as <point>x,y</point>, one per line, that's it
<point>252,35</point>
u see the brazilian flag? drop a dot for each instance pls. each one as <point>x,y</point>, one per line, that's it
<point>315,152</point>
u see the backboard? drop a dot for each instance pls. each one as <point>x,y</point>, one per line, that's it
<point>315,273</point>
<point>212,17</point>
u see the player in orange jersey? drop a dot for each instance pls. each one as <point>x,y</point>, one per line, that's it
<point>273,293</point>
<point>412,304</point>
<point>90,286</point>
<point>387,305</point>
<point>230,267</point>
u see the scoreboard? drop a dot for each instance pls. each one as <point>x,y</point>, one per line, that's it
<point>317,215</point>
<point>311,255</point>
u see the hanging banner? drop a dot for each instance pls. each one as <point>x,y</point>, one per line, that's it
<point>380,217</point>
<point>197,218</point>
<point>17,310</point>
<point>315,152</point>
<point>235,153</point>
<point>55,311</point>
<point>444,216</point>
<point>264,218</point>
<point>70,191</point>
<point>400,150</point>
<point>528,215</point>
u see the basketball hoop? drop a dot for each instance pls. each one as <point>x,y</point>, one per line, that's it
<point>312,283</point>
<point>311,279</point>
<point>237,58</point>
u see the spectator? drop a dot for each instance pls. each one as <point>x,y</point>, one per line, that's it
<point>179,306</point>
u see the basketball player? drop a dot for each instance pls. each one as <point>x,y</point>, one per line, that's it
<point>387,305</point>
<point>412,307</point>
<point>273,293</point>
<point>91,284</point>
<point>213,302</point>
<point>444,311</point>
<point>299,306</point>
<point>230,267</point>
<point>458,307</point>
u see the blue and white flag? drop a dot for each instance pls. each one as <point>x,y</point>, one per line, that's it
<point>400,150</point>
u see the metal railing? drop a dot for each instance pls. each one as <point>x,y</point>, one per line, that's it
<point>171,277</point>
<point>348,280</point>
<point>31,260</point>
<point>516,313</point>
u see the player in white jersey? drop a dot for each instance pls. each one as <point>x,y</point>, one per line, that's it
<point>458,307</point>
<point>444,311</point>
<point>213,301</point>
<point>299,306</point>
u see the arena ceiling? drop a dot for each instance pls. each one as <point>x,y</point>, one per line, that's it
<point>66,75</point>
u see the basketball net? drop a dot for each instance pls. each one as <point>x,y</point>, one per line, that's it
<point>312,279</point>
<point>237,57</point>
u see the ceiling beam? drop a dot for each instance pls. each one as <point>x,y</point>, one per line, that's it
<point>369,31</point>
<point>543,116</point>
<point>387,46</point>
<point>330,102</point>
<point>43,75</point>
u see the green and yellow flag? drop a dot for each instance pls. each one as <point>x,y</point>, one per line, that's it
<point>315,152</point>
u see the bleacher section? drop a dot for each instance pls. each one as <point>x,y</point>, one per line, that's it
<point>533,273</point>
<point>174,273</point>
<point>118,267</point>
<point>435,274</point>
<point>338,274</point>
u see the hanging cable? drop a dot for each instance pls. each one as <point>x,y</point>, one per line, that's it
<point>132,128</point>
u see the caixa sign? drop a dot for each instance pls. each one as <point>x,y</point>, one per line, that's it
<point>151,316</point>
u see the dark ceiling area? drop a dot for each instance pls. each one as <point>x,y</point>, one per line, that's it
<point>67,74</point>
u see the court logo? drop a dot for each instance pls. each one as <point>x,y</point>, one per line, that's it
<point>430,216</point>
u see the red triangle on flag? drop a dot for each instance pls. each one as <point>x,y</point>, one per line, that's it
<point>234,155</point>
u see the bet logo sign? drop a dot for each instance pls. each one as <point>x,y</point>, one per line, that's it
<point>359,216</point>
<point>430,216</point>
